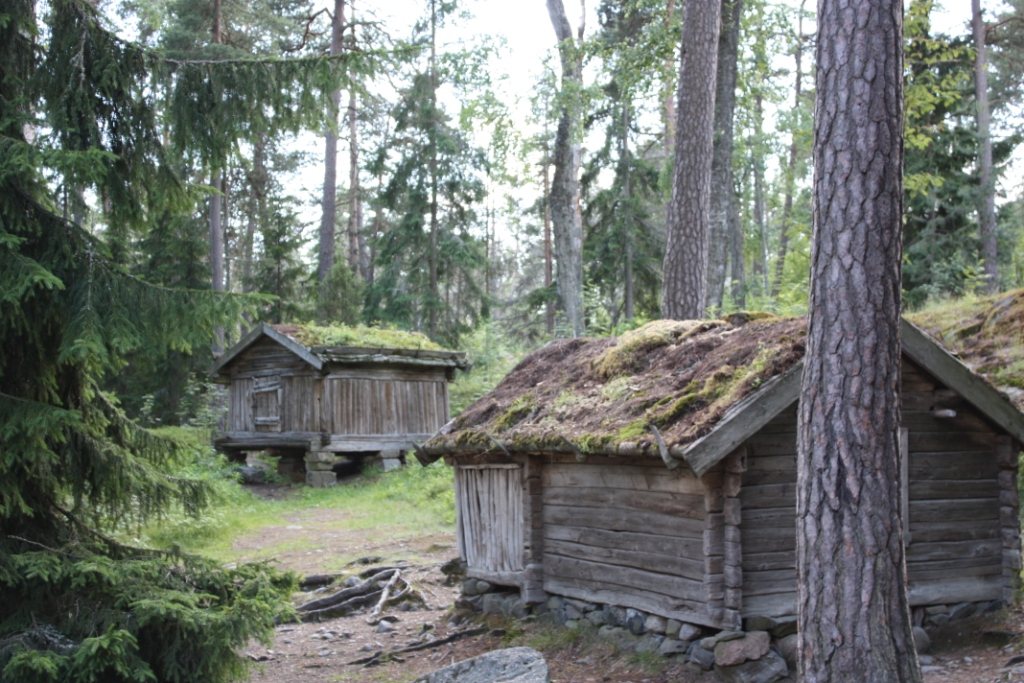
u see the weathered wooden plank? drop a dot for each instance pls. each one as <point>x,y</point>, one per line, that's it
<point>970,464</point>
<point>599,574</point>
<point>770,605</point>
<point>602,475</point>
<point>950,531</point>
<point>773,445</point>
<point>925,552</point>
<point>686,505</point>
<point>770,496</point>
<point>670,607</point>
<point>944,442</point>
<point>614,519</point>
<point>954,589</point>
<point>757,562</point>
<point>770,540</point>
<point>690,568</point>
<point>941,570</point>
<point>966,420</point>
<point>755,585</point>
<point>759,518</point>
<point>973,509</point>
<point>954,488</point>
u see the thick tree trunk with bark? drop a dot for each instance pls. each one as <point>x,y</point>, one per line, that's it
<point>689,209</point>
<point>566,219</point>
<point>723,188</point>
<point>329,203</point>
<point>987,204</point>
<point>854,616</point>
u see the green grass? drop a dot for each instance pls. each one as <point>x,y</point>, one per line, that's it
<point>410,501</point>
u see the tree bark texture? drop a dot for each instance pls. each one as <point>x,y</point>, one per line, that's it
<point>854,616</point>
<point>549,308</point>
<point>566,219</point>
<point>356,257</point>
<point>433,301</point>
<point>329,203</point>
<point>217,253</point>
<point>670,92</point>
<point>689,209</point>
<point>987,203</point>
<point>723,188</point>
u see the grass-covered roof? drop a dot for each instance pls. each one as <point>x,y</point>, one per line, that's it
<point>679,377</point>
<point>986,333</point>
<point>357,335</point>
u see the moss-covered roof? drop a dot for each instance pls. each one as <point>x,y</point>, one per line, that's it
<point>357,335</point>
<point>987,334</point>
<point>679,377</point>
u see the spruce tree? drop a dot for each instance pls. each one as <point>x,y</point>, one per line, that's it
<point>79,116</point>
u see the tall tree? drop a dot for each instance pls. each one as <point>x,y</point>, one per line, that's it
<point>217,279</point>
<point>564,200</point>
<point>789,179</point>
<point>983,116</point>
<point>78,605</point>
<point>854,616</point>
<point>357,260</point>
<point>725,240</point>
<point>329,203</point>
<point>689,209</point>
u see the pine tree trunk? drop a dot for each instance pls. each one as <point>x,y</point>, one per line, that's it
<point>356,256</point>
<point>329,203</point>
<point>549,306</point>
<point>628,285</point>
<point>854,616</point>
<point>987,205</point>
<point>669,104</point>
<point>217,254</point>
<point>433,301</point>
<point>759,192</point>
<point>790,180</point>
<point>258,202</point>
<point>723,188</point>
<point>566,220</point>
<point>689,210</point>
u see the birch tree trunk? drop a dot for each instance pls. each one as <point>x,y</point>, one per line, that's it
<point>987,205</point>
<point>723,188</point>
<point>854,616</point>
<point>329,203</point>
<point>566,220</point>
<point>689,209</point>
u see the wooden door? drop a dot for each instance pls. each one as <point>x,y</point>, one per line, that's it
<point>266,404</point>
<point>489,503</point>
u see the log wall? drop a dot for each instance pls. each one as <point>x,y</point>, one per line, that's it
<point>625,531</point>
<point>366,404</point>
<point>960,525</point>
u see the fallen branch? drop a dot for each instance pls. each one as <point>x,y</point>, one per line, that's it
<point>380,656</point>
<point>318,580</point>
<point>367,586</point>
<point>385,593</point>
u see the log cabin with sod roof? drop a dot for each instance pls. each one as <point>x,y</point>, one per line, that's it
<point>320,393</point>
<point>657,471</point>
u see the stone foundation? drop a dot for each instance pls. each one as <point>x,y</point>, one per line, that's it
<point>763,653</point>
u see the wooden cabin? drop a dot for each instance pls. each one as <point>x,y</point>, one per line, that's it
<point>658,472</point>
<point>322,401</point>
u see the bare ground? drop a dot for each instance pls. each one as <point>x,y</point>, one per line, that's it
<point>970,651</point>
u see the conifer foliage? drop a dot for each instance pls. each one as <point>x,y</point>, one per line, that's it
<point>78,118</point>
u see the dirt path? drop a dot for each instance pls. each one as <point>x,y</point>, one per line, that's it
<point>964,652</point>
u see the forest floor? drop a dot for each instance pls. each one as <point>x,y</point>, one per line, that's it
<point>309,542</point>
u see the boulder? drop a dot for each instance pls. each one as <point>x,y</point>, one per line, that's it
<point>512,665</point>
<point>596,617</point>
<point>635,621</point>
<point>251,476</point>
<point>495,603</point>
<point>649,642</point>
<point>768,669</point>
<point>751,646</point>
<point>703,658</point>
<point>619,637</point>
<point>760,623</point>
<point>921,640</point>
<point>656,624</point>
<point>615,616</point>
<point>961,611</point>
<point>788,647</point>
<point>784,626</point>
<point>671,646</point>
<point>689,632</point>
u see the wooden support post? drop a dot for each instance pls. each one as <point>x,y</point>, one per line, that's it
<point>1006,451</point>
<point>723,551</point>
<point>532,587</point>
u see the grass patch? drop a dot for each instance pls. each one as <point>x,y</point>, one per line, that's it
<point>361,335</point>
<point>410,501</point>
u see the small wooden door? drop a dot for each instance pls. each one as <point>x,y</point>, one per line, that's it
<point>489,520</point>
<point>266,404</point>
